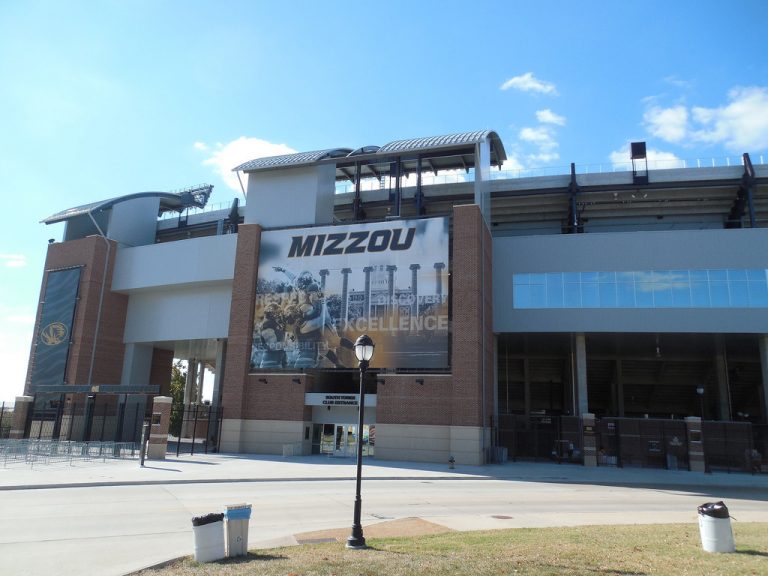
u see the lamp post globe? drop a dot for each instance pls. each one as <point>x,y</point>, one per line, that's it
<point>700,392</point>
<point>364,352</point>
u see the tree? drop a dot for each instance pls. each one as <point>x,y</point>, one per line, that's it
<point>178,383</point>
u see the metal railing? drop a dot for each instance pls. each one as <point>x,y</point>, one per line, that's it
<point>41,452</point>
<point>461,176</point>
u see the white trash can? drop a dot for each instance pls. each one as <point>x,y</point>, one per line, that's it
<point>237,516</point>
<point>715,527</point>
<point>209,537</point>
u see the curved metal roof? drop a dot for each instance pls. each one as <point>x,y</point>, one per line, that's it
<point>297,159</point>
<point>168,201</point>
<point>447,141</point>
<point>432,143</point>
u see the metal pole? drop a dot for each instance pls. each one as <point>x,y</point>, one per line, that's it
<point>143,449</point>
<point>194,432</point>
<point>356,539</point>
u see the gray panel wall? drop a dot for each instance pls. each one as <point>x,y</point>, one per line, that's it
<point>291,197</point>
<point>627,251</point>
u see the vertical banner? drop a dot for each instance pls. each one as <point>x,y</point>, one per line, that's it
<point>52,340</point>
<point>320,288</point>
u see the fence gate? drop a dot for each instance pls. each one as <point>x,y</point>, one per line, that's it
<point>194,428</point>
<point>556,438</point>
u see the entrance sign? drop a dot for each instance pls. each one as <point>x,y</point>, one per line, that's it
<point>320,288</point>
<point>331,399</point>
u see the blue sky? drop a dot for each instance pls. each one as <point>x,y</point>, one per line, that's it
<point>104,98</point>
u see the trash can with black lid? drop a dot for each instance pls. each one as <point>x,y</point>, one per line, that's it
<point>715,527</point>
<point>209,537</point>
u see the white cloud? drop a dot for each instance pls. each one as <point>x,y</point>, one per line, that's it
<point>741,125</point>
<point>512,163</point>
<point>13,260</point>
<point>224,157</point>
<point>543,138</point>
<point>546,116</point>
<point>528,83</point>
<point>670,124</point>
<point>656,158</point>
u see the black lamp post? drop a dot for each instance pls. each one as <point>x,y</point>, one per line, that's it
<point>364,351</point>
<point>700,392</point>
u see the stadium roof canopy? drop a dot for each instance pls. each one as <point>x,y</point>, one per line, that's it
<point>433,153</point>
<point>196,196</point>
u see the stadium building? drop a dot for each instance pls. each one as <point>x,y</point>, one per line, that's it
<point>616,318</point>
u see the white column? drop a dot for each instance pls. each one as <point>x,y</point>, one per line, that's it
<point>483,179</point>
<point>200,376</point>
<point>190,383</point>
<point>137,364</point>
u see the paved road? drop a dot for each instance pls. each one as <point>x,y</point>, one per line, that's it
<point>114,518</point>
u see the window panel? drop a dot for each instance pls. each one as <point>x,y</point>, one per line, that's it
<point>758,294</point>
<point>737,288</point>
<point>572,295</point>
<point>554,290</point>
<point>590,298</point>
<point>522,296</point>
<point>644,294</point>
<point>718,293</point>
<point>700,295</point>
<point>607,292</point>
<point>625,294</point>
<point>739,294</point>
<point>538,296</point>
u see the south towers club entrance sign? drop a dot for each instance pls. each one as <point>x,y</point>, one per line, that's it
<point>320,288</point>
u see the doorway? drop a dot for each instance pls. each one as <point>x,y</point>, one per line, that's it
<point>340,440</point>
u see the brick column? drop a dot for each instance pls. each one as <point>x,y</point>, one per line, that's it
<point>20,414</point>
<point>696,461</point>
<point>158,429</point>
<point>588,441</point>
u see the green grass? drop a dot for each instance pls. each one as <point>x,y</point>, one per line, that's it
<point>673,549</point>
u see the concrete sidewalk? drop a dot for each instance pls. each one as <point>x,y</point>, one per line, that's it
<point>115,517</point>
<point>228,468</point>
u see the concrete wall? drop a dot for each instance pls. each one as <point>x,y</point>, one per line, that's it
<point>210,259</point>
<point>291,197</point>
<point>666,250</point>
<point>183,313</point>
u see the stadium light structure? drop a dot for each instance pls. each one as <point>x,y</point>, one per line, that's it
<point>364,352</point>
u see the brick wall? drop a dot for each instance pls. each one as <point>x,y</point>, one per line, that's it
<point>470,269</point>
<point>91,254</point>
<point>246,396</point>
<point>403,400</point>
<point>241,321</point>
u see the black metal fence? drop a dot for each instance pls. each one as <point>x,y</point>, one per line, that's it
<point>6,419</point>
<point>557,438</point>
<point>642,443</point>
<point>194,428</point>
<point>636,442</point>
<point>88,417</point>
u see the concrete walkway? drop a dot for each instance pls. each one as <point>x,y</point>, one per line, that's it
<point>115,517</point>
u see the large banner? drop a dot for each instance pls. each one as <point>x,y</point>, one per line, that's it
<point>320,288</point>
<point>52,341</point>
